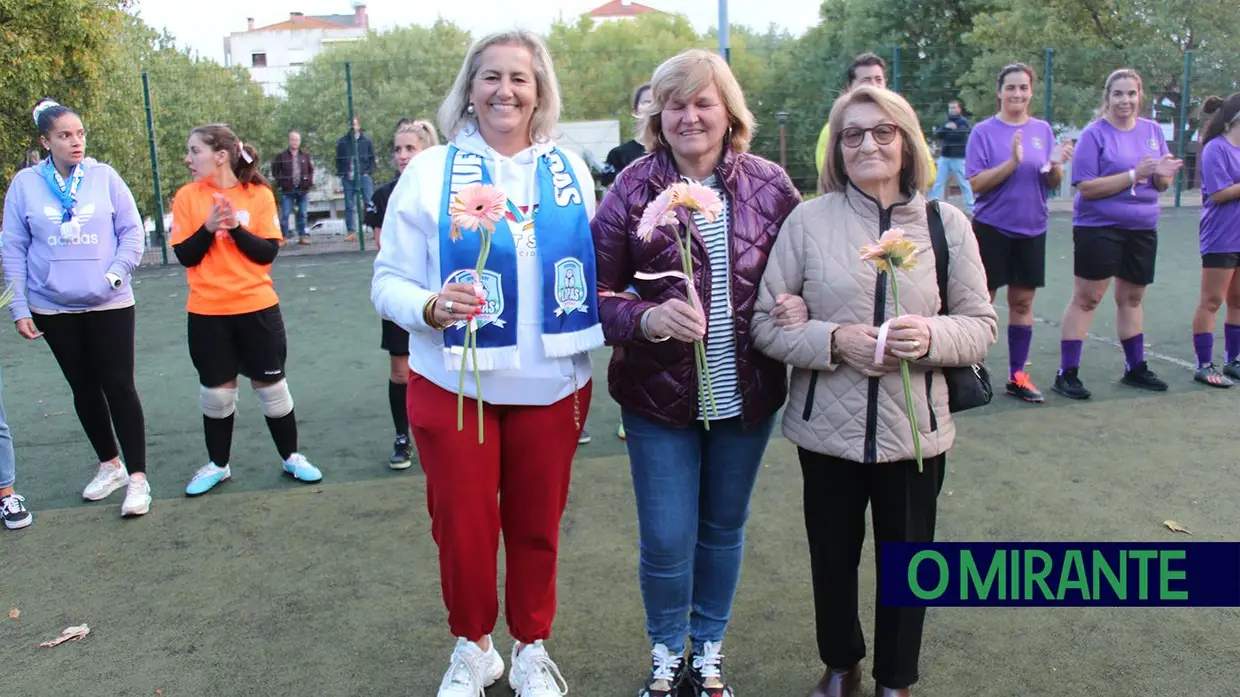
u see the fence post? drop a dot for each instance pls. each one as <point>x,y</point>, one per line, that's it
<point>1182,136</point>
<point>895,69</point>
<point>159,194</point>
<point>359,198</point>
<point>725,34</point>
<point>1048,78</point>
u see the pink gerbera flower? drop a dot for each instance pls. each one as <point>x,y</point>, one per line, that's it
<point>700,198</point>
<point>476,207</point>
<point>660,211</point>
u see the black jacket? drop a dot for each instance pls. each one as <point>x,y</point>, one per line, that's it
<point>365,154</point>
<point>953,141</point>
<point>620,157</point>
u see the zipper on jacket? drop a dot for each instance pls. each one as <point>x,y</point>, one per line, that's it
<point>880,316</point>
<point>934,423</point>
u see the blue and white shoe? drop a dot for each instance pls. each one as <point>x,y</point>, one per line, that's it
<point>300,469</point>
<point>206,478</point>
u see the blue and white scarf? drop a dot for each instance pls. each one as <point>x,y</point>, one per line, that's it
<point>569,300</point>
<point>65,191</point>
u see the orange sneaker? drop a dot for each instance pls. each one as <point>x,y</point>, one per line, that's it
<point>1022,387</point>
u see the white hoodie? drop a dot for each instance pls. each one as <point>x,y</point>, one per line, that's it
<point>407,273</point>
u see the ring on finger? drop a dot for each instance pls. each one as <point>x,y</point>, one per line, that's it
<point>448,306</point>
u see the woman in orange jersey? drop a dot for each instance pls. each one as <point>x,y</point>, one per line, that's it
<point>226,232</point>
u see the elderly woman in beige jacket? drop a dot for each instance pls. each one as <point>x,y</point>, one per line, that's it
<point>819,309</point>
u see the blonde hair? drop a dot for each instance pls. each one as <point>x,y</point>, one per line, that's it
<point>914,167</point>
<point>422,130</point>
<point>683,76</point>
<point>1122,73</point>
<point>454,115</point>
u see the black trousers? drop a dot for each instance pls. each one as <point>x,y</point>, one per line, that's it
<point>903,505</point>
<point>95,351</point>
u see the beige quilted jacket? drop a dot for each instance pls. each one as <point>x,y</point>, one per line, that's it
<point>833,409</point>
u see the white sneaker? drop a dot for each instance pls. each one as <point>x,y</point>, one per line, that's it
<point>533,672</point>
<point>471,671</point>
<point>137,498</point>
<point>108,479</point>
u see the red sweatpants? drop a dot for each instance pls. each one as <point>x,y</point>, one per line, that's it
<point>516,481</point>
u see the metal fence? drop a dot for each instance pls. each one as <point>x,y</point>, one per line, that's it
<point>321,99</point>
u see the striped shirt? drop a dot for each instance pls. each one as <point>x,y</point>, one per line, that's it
<point>720,327</point>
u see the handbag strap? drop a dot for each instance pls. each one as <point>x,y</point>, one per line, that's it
<point>938,241</point>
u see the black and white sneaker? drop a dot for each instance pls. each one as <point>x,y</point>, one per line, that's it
<point>706,671</point>
<point>1141,376</point>
<point>667,673</point>
<point>1068,384</point>
<point>1232,369</point>
<point>402,454</point>
<point>13,511</point>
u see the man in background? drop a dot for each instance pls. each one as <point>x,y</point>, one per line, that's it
<point>293,172</point>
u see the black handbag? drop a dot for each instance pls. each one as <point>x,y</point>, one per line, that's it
<point>967,387</point>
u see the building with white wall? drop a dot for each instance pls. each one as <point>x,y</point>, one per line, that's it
<point>276,51</point>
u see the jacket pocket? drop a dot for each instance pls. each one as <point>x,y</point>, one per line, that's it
<point>809,396</point>
<point>77,283</point>
<point>934,422</point>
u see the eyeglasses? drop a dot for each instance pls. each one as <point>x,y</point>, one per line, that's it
<point>884,134</point>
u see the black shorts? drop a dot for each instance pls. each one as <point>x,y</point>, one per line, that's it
<point>1220,260</point>
<point>1104,252</point>
<point>222,347</point>
<point>1010,260</point>
<point>395,339</point>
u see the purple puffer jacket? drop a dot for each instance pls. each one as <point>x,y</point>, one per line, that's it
<point>657,380</point>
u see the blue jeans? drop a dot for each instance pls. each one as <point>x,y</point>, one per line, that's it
<point>947,167</point>
<point>692,488</point>
<point>350,194</point>
<point>8,462</point>
<point>287,201</point>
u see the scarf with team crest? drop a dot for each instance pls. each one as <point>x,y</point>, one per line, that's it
<point>569,300</point>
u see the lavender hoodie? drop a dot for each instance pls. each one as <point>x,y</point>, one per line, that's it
<point>58,273</point>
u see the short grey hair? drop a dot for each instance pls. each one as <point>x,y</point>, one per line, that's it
<point>454,116</point>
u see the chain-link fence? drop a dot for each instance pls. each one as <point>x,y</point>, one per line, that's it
<point>147,143</point>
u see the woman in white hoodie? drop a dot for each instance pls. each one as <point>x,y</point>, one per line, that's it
<point>536,313</point>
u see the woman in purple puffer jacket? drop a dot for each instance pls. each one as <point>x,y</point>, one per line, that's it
<point>692,484</point>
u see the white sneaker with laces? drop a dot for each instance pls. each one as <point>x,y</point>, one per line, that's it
<point>471,671</point>
<point>137,498</point>
<point>533,672</point>
<point>108,479</point>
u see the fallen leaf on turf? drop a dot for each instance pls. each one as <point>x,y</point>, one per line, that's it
<point>316,491</point>
<point>69,634</point>
<point>14,613</point>
<point>949,493</point>
<point>1176,527</point>
<point>159,692</point>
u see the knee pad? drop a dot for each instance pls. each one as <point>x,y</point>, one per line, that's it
<point>218,402</point>
<point>275,400</point>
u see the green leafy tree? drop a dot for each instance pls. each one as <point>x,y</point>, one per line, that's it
<point>402,73</point>
<point>52,48</point>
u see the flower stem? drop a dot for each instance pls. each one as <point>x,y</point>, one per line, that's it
<point>484,250</point>
<point>699,347</point>
<point>908,390</point>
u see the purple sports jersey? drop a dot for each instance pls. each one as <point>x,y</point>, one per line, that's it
<point>1104,150</point>
<point>1220,223</point>
<point>1017,206</point>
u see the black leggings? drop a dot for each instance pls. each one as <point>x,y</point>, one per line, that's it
<point>95,351</point>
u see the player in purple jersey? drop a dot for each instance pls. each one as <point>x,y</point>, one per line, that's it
<point>1120,166</point>
<point>1012,162</point>
<point>1220,240</point>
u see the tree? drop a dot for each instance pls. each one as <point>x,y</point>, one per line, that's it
<point>1091,38</point>
<point>402,73</point>
<point>52,48</point>
<point>600,64</point>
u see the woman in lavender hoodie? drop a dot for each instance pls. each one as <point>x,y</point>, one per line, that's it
<point>72,237</point>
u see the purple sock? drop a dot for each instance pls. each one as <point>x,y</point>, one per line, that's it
<point>1203,344</point>
<point>1070,354</point>
<point>1134,350</point>
<point>1019,338</point>
<point>1231,341</point>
